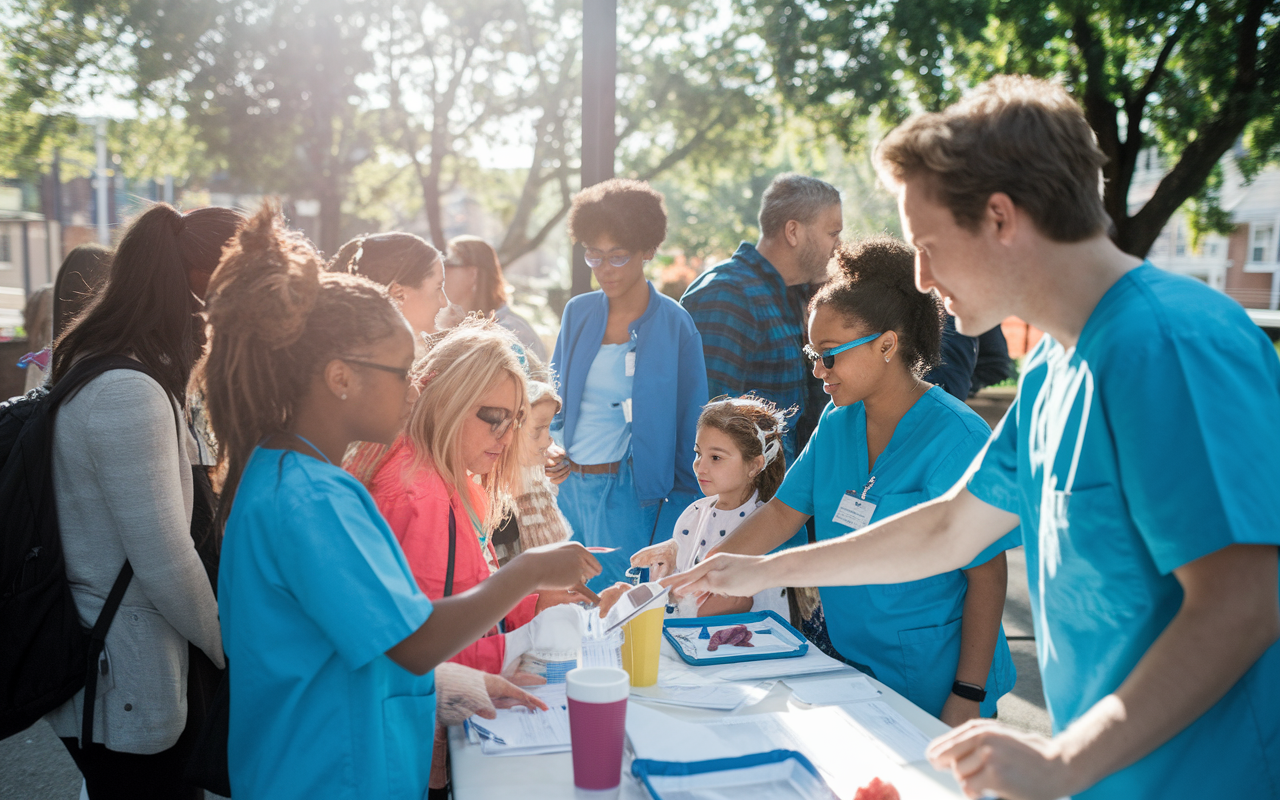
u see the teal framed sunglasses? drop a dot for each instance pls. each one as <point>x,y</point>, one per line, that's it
<point>829,356</point>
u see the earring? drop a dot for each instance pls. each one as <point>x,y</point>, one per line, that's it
<point>344,396</point>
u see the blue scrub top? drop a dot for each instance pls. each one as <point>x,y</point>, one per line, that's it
<point>313,590</point>
<point>908,634</point>
<point>1153,442</point>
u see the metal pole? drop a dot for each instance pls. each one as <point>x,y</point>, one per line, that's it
<point>104,234</point>
<point>599,108</point>
<point>168,189</point>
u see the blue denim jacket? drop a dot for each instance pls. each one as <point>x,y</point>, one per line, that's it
<point>670,387</point>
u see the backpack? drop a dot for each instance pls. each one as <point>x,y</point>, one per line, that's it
<point>48,655</point>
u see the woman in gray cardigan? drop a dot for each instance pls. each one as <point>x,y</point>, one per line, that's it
<point>123,481</point>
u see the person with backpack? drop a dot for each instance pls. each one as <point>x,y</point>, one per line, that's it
<point>124,490</point>
<point>334,645</point>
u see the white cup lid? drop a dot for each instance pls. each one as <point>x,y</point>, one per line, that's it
<point>597,684</point>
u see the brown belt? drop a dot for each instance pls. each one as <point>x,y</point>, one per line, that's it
<point>595,469</point>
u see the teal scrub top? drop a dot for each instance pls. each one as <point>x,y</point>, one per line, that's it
<point>1153,442</point>
<point>313,590</point>
<point>906,634</point>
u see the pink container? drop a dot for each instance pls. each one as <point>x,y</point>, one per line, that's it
<point>597,724</point>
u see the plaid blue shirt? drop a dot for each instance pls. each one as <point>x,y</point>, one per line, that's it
<point>753,332</point>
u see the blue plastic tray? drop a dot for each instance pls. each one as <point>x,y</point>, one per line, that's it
<point>750,618</point>
<point>777,774</point>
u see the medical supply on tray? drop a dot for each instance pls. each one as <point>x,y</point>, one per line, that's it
<point>754,636</point>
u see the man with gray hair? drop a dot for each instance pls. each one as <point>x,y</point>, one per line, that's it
<point>750,309</point>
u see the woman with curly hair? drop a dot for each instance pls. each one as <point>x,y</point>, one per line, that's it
<point>629,359</point>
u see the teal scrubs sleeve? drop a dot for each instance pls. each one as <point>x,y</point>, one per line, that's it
<point>1193,472</point>
<point>994,475</point>
<point>350,574</point>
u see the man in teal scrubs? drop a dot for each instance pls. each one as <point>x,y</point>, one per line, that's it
<point>1140,457</point>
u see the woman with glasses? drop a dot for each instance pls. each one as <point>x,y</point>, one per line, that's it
<point>453,475</point>
<point>630,360</point>
<point>473,279</point>
<point>886,442</point>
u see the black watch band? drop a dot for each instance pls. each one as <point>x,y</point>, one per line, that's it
<point>968,691</point>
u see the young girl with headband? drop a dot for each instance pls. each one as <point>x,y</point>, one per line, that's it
<point>332,692</point>
<point>739,464</point>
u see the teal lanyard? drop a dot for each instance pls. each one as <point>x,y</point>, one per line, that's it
<point>313,447</point>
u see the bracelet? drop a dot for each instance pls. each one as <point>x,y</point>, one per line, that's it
<point>968,691</point>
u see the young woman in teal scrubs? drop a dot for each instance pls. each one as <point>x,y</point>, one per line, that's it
<point>887,442</point>
<point>332,642</point>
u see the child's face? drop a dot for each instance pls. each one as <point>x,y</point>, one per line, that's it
<point>539,428</point>
<point>719,464</point>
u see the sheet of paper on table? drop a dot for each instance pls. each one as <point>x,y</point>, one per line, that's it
<point>714,695</point>
<point>852,688</point>
<point>890,729</point>
<point>521,731</point>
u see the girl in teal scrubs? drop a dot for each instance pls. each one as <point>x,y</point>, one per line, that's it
<point>887,442</point>
<point>333,644</point>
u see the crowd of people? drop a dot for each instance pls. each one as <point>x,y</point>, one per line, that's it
<point>359,491</point>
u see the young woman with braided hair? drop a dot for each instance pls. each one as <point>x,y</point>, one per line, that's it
<point>333,643</point>
<point>408,266</point>
<point>889,441</point>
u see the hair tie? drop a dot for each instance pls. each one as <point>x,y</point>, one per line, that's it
<point>425,379</point>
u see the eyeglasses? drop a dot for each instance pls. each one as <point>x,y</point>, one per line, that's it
<point>402,374</point>
<point>829,356</point>
<point>596,258</point>
<point>499,420</point>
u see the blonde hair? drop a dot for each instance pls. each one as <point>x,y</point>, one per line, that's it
<point>459,368</point>
<point>1014,134</point>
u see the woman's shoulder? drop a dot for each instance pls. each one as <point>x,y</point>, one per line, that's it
<point>401,476</point>
<point>951,415</point>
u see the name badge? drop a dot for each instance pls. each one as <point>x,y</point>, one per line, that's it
<point>854,512</point>
<point>626,410</point>
<point>630,364</point>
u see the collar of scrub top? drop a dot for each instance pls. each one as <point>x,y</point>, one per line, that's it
<point>837,350</point>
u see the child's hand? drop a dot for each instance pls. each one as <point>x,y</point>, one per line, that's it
<point>557,466</point>
<point>610,597</point>
<point>659,558</point>
<point>564,565</point>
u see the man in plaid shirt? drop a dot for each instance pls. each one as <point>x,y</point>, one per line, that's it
<point>751,309</point>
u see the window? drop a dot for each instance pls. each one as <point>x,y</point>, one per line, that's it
<point>6,250</point>
<point>1260,247</point>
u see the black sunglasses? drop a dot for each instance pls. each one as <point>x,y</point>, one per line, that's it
<point>402,374</point>
<point>499,420</point>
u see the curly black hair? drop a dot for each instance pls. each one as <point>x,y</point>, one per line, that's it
<point>630,212</point>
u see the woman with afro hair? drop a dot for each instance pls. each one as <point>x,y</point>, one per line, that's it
<point>630,360</point>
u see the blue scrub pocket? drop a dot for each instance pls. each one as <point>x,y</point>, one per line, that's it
<point>408,731</point>
<point>929,660</point>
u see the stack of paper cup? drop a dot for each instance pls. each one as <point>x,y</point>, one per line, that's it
<point>597,725</point>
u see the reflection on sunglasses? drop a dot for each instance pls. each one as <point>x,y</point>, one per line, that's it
<point>595,258</point>
<point>499,420</point>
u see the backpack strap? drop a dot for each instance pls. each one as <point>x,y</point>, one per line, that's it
<point>97,640</point>
<point>453,551</point>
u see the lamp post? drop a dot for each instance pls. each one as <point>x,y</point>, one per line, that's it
<point>599,109</point>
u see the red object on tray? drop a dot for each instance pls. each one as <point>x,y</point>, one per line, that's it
<point>878,790</point>
<point>738,636</point>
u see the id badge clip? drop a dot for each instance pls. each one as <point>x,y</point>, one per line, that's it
<point>854,512</point>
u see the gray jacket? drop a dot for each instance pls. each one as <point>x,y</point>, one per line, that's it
<point>122,478</point>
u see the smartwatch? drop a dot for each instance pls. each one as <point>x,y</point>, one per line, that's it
<point>968,691</point>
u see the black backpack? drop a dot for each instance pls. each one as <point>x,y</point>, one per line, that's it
<point>48,655</point>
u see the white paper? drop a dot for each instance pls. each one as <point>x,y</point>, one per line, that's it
<point>852,688</point>
<point>890,729</point>
<point>719,696</point>
<point>660,736</point>
<point>524,731</point>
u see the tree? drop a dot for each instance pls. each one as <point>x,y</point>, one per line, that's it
<point>1188,78</point>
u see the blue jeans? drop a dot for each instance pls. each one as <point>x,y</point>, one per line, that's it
<point>603,511</point>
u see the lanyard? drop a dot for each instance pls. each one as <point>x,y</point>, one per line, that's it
<point>313,447</point>
<point>867,488</point>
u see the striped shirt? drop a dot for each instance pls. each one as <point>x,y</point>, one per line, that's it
<point>753,332</point>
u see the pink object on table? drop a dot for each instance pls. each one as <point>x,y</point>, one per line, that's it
<point>597,724</point>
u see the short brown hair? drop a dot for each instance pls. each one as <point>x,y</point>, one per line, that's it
<point>630,212</point>
<point>1015,134</point>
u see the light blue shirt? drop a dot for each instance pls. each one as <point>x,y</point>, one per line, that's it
<point>313,590</point>
<point>604,432</point>
<point>908,634</point>
<point>1153,442</point>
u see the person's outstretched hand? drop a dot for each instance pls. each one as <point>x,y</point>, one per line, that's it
<point>723,574</point>
<point>563,565</point>
<point>610,597</point>
<point>990,759</point>
<point>506,694</point>
<point>462,692</point>
<point>660,558</point>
